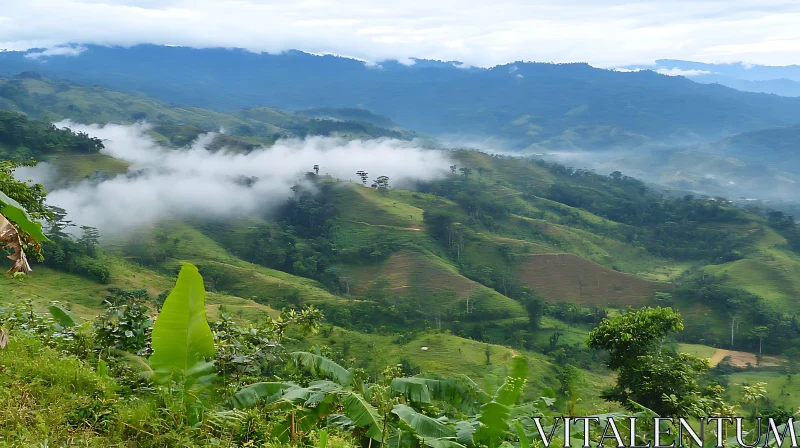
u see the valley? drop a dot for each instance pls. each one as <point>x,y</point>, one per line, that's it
<point>455,269</point>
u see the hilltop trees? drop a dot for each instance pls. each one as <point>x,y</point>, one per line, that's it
<point>40,138</point>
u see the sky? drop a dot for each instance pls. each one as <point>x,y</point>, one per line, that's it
<point>605,33</point>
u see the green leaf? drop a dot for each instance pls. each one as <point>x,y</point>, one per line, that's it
<point>102,369</point>
<point>523,437</point>
<point>495,414</point>
<point>363,415</point>
<point>13,211</point>
<point>442,443</point>
<point>250,395</point>
<point>415,389</point>
<point>182,338</point>
<point>319,364</point>
<point>511,389</point>
<point>464,432</point>
<point>136,363</point>
<point>424,426</point>
<point>64,318</point>
<point>323,439</point>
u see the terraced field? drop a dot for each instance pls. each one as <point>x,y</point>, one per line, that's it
<point>569,278</point>
<point>432,283</point>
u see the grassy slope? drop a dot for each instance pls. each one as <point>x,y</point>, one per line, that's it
<point>781,389</point>
<point>771,271</point>
<point>448,354</point>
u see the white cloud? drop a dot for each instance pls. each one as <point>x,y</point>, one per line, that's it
<point>59,50</point>
<point>194,182</point>
<point>679,72</point>
<point>606,33</point>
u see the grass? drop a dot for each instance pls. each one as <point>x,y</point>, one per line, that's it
<point>448,354</point>
<point>428,279</point>
<point>40,390</point>
<point>366,205</point>
<point>701,351</point>
<point>771,272</point>
<point>51,399</point>
<point>782,389</point>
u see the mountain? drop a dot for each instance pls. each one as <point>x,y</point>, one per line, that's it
<point>782,86</point>
<point>778,80</point>
<point>739,70</point>
<point>761,164</point>
<point>776,147</point>
<point>54,100</point>
<point>522,104</point>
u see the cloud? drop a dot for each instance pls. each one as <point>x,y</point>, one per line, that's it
<point>605,33</point>
<point>679,72</point>
<point>59,50</point>
<point>195,183</point>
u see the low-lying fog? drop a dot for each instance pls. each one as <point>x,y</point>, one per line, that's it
<point>682,171</point>
<point>195,182</point>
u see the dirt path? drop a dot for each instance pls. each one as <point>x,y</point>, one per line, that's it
<point>416,229</point>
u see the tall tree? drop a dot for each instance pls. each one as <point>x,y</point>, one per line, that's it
<point>650,375</point>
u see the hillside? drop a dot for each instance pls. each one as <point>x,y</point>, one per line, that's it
<point>776,147</point>
<point>562,106</point>
<point>725,169</point>
<point>178,125</point>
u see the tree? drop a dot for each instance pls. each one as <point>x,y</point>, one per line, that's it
<point>453,168</point>
<point>650,375</point>
<point>754,394</point>
<point>382,184</point>
<point>90,239</point>
<point>555,336</point>
<point>316,169</point>
<point>363,175</point>
<point>760,333</point>
<point>535,308</point>
<point>465,171</point>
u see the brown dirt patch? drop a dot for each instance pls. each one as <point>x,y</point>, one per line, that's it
<point>569,278</point>
<point>743,359</point>
<point>407,269</point>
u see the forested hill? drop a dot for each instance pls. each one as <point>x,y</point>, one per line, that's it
<point>552,105</point>
<point>54,100</point>
<point>776,147</point>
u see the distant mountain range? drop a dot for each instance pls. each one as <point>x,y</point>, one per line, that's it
<point>515,106</point>
<point>784,81</point>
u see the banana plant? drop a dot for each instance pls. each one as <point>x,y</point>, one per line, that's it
<point>337,401</point>
<point>17,230</point>
<point>492,420</point>
<point>182,340</point>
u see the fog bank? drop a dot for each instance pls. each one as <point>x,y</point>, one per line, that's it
<point>194,182</point>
